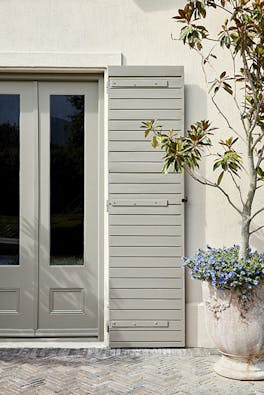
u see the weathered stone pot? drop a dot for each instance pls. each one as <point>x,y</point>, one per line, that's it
<point>237,332</point>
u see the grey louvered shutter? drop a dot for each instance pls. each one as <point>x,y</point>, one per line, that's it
<point>146,212</point>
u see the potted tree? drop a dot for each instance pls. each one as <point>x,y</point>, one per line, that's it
<point>232,277</point>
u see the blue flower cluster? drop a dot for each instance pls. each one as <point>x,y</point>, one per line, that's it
<point>226,269</point>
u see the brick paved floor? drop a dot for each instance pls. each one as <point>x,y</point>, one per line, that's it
<point>103,372</point>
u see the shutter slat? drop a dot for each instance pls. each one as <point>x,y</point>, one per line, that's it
<point>129,136</point>
<point>145,231</point>
<point>154,156</point>
<point>146,114</point>
<point>147,314</point>
<point>120,178</point>
<point>146,294</point>
<point>152,104</point>
<point>146,188</point>
<point>144,335</point>
<point>145,240</point>
<point>169,210</point>
<point>159,220</point>
<point>134,304</point>
<point>141,262</point>
<point>146,272</point>
<point>145,251</point>
<point>150,94</point>
<point>145,283</point>
<point>136,125</point>
<point>131,146</point>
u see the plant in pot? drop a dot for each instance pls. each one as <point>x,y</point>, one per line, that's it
<point>233,290</point>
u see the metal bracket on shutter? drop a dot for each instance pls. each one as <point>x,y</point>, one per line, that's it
<point>139,203</point>
<point>138,83</point>
<point>139,324</point>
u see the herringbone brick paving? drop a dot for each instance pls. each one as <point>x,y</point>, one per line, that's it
<point>115,372</point>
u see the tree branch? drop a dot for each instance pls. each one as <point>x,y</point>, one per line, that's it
<point>224,9</point>
<point>206,38</point>
<point>237,186</point>
<point>204,181</point>
<point>256,230</point>
<point>254,124</point>
<point>235,93</point>
<point>257,213</point>
<point>215,103</point>
<point>226,119</point>
<point>249,75</point>
<point>258,140</point>
<point>260,157</point>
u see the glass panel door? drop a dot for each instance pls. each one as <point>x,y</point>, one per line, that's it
<point>68,271</point>
<point>18,208</point>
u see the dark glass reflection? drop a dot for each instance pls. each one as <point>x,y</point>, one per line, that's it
<point>9,179</point>
<point>66,179</point>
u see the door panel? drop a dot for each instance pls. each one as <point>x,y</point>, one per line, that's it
<point>18,207</point>
<point>68,255</point>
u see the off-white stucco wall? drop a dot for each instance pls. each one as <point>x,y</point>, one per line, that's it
<point>141,31</point>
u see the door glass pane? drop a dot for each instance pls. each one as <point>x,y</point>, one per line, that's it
<point>9,179</point>
<point>66,179</point>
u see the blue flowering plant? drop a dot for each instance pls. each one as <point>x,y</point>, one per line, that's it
<point>224,268</point>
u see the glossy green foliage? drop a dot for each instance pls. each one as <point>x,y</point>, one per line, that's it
<point>180,151</point>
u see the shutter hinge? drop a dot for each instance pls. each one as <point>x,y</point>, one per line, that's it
<point>184,200</point>
<point>107,205</point>
<point>107,327</point>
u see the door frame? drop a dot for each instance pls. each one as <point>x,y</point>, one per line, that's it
<point>74,75</point>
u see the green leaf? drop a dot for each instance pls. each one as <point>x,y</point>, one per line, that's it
<point>216,165</point>
<point>228,89</point>
<point>260,172</point>
<point>154,142</point>
<point>220,178</point>
<point>216,89</point>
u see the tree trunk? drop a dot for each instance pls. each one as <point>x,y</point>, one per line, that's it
<point>245,226</point>
<point>247,206</point>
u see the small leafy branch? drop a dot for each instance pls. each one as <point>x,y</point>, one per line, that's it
<point>241,36</point>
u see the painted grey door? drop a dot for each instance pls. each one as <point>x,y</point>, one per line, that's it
<point>68,226</point>
<point>146,212</point>
<point>18,208</point>
<point>49,209</point>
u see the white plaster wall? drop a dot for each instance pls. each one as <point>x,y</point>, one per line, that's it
<point>141,30</point>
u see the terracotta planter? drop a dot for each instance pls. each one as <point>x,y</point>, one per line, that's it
<point>237,333</point>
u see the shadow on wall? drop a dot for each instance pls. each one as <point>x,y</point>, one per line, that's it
<point>257,239</point>
<point>195,110</point>
<point>157,5</point>
<point>195,217</point>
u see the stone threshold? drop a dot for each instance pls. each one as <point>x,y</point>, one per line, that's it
<point>107,352</point>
